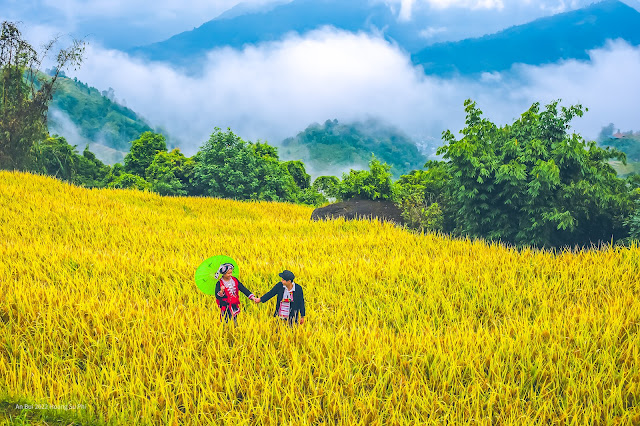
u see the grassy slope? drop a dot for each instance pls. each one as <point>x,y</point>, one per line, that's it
<point>100,309</point>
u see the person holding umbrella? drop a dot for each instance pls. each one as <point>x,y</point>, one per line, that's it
<point>227,292</point>
<point>289,299</point>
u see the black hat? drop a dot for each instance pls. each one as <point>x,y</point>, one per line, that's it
<point>287,275</point>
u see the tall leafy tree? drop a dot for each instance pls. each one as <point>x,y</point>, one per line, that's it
<point>532,182</point>
<point>91,172</point>
<point>143,151</point>
<point>423,196</point>
<point>372,184</point>
<point>228,167</point>
<point>56,157</point>
<point>329,186</point>
<point>300,176</point>
<point>170,173</point>
<point>25,94</point>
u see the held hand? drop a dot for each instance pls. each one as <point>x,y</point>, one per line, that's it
<point>256,299</point>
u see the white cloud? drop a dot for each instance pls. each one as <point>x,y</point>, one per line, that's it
<point>430,32</point>
<point>513,7</point>
<point>275,90</point>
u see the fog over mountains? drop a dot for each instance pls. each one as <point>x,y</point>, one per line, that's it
<point>351,61</point>
<point>567,35</point>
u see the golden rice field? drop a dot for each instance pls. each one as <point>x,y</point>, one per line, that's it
<point>101,322</point>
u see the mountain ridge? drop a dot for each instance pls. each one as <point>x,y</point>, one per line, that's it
<point>596,23</point>
<point>592,25</point>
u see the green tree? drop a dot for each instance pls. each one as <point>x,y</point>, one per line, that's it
<point>25,94</point>
<point>56,157</point>
<point>142,152</point>
<point>264,150</point>
<point>372,184</point>
<point>423,197</point>
<point>329,186</point>
<point>310,196</point>
<point>300,176</point>
<point>533,183</point>
<point>170,173</point>
<point>228,167</point>
<point>90,171</point>
<point>129,181</point>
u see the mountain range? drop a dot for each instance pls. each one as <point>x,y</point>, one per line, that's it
<point>545,40</point>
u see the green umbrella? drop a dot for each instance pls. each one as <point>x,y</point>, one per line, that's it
<point>207,273</point>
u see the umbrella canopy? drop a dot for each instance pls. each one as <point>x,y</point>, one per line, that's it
<point>207,273</point>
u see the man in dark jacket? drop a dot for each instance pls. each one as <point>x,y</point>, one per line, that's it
<point>289,299</point>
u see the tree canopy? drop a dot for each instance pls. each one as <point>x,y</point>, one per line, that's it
<point>532,182</point>
<point>228,167</point>
<point>25,94</point>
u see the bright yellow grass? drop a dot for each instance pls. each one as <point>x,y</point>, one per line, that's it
<point>99,310</point>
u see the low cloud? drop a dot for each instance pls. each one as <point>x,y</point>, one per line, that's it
<point>430,32</point>
<point>272,91</point>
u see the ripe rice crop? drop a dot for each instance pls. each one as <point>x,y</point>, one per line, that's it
<point>99,314</point>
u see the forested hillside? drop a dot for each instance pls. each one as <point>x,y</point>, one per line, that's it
<point>333,146</point>
<point>100,120</point>
<point>627,142</point>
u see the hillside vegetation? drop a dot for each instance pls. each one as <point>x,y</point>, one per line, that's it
<point>333,147</point>
<point>100,316</point>
<point>100,120</point>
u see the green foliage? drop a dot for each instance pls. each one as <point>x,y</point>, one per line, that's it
<point>372,184</point>
<point>627,142</point>
<point>531,183</point>
<point>143,150</point>
<point>328,186</point>
<point>299,174</point>
<point>91,172</point>
<point>98,116</point>
<point>25,94</point>
<point>633,222</point>
<point>129,181</point>
<point>170,173</point>
<point>310,196</point>
<point>423,197</point>
<point>55,157</point>
<point>333,145</point>
<point>115,172</point>
<point>228,167</point>
<point>421,216</point>
<point>264,150</point>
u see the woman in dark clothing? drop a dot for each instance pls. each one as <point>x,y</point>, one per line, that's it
<point>289,299</point>
<point>228,290</point>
